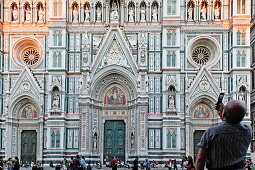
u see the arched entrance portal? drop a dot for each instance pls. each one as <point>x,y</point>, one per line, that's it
<point>27,131</point>
<point>114,123</point>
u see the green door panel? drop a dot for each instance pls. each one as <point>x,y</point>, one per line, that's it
<point>114,139</point>
<point>197,136</point>
<point>28,145</point>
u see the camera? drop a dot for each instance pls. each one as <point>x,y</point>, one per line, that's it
<point>220,98</point>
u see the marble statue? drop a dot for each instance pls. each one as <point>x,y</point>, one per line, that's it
<point>28,13</point>
<point>190,12</point>
<point>87,13</point>
<point>171,101</point>
<point>143,14</point>
<point>99,14</point>
<point>15,13</point>
<point>132,140</point>
<point>95,141</point>
<point>131,14</point>
<point>55,103</point>
<point>114,13</point>
<point>241,96</point>
<point>40,14</point>
<point>75,14</point>
<point>203,12</point>
<point>155,13</point>
<point>217,11</point>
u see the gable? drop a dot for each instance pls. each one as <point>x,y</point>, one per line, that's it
<point>25,85</point>
<point>204,84</point>
<point>114,52</point>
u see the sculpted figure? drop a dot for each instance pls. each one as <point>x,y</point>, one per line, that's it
<point>55,103</point>
<point>170,101</point>
<point>75,13</point>
<point>143,14</point>
<point>27,13</point>
<point>190,12</point>
<point>155,13</point>
<point>114,13</point>
<point>41,14</point>
<point>87,13</point>
<point>99,14</point>
<point>15,14</point>
<point>217,10</point>
<point>203,12</point>
<point>131,14</point>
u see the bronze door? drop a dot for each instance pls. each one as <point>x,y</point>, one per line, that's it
<point>28,145</point>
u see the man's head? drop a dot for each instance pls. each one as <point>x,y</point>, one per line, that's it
<point>234,111</point>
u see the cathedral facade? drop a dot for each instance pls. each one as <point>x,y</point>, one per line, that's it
<point>126,78</point>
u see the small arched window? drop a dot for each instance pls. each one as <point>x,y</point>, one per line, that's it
<point>171,139</point>
<point>55,138</point>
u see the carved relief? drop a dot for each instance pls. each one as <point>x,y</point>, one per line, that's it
<point>114,56</point>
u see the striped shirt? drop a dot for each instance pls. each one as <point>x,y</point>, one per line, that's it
<point>225,144</point>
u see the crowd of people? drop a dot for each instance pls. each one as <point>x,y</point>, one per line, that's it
<point>16,164</point>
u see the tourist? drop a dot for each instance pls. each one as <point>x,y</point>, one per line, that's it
<point>147,164</point>
<point>225,146</point>
<point>184,163</point>
<point>83,163</point>
<point>51,164</point>
<point>16,165</point>
<point>1,163</point>
<point>135,166</point>
<point>190,165</point>
<point>9,164</point>
<point>114,163</point>
<point>169,164</point>
<point>76,162</point>
<point>89,167</point>
<point>175,165</point>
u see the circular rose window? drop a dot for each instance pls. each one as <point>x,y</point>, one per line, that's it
<point>201,55</point>
<point>30,56</point>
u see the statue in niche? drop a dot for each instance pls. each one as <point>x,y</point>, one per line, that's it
<point>143,13</point>
<point>132,140</point>
<point>171,101</point>
<point>131,14</point>
<point>87,13</point>
<point>155,13</point>
<point>27,13</point>
<point>99,13</point>
<point>217,10</point>
<point>15,13</point>
<point>95,141</point>
<point>114,13</point>
<point>75,13</point>
<point>40,13</point>
<point>190,11</point>
<point>55,103</point>
<point>203,11</point>
<point>242,95</point>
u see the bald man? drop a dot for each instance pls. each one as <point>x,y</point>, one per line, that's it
<point>224,147</point>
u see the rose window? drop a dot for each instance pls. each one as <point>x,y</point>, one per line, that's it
<point>30,56</point>
<point>201,55</point>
